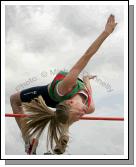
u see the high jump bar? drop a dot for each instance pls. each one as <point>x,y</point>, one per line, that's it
<point>82,118</point>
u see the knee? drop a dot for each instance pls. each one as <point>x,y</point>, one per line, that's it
<point>14,99</point>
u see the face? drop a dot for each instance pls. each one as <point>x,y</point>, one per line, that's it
<point>78,109</point>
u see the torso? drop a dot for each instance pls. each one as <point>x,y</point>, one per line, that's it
<point>81,96</point>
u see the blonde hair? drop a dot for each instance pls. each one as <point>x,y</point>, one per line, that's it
<point>40,116</point>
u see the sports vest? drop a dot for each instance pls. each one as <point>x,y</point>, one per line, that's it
<point>79,86</point>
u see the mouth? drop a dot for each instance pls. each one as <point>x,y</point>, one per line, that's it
<point>83,113</point>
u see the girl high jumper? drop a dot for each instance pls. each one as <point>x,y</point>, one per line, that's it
<point>70,96</point>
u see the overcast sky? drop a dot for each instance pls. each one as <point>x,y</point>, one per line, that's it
<point>42,39</point>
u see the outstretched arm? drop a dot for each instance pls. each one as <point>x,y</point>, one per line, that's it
<point>70,80</point>
<point>110,25</point>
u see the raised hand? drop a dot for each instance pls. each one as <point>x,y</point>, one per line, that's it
<point>110,25</point>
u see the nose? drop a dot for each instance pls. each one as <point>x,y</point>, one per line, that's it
<point>84,109</point>
<point>82,112</point>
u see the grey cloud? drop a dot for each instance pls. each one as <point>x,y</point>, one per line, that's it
<point>81,20</point>
<point>19,20</point>
<point>94,142</point>
<point>76,19</point>
<point>15,14</point>
<point>113,102</point>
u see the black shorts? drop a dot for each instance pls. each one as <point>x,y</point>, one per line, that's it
<point>29,94</point>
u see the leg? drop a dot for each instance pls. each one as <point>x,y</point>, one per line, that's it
<point>24,96</point>
<point>15,102</point>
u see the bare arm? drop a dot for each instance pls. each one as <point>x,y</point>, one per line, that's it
<point>110,25</point>
<point>86,80</point>
<point>82,62</point>
<point>70,80</point>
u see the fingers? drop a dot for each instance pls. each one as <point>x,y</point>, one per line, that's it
<point>111,19</point>
<point>111,24</point>
<point>108,21</point>
<point>93,76</point>
<point>90,76</point>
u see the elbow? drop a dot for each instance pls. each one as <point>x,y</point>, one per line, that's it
<point>91,110</point>
<point>15,99</point>
<point>12,99</point>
